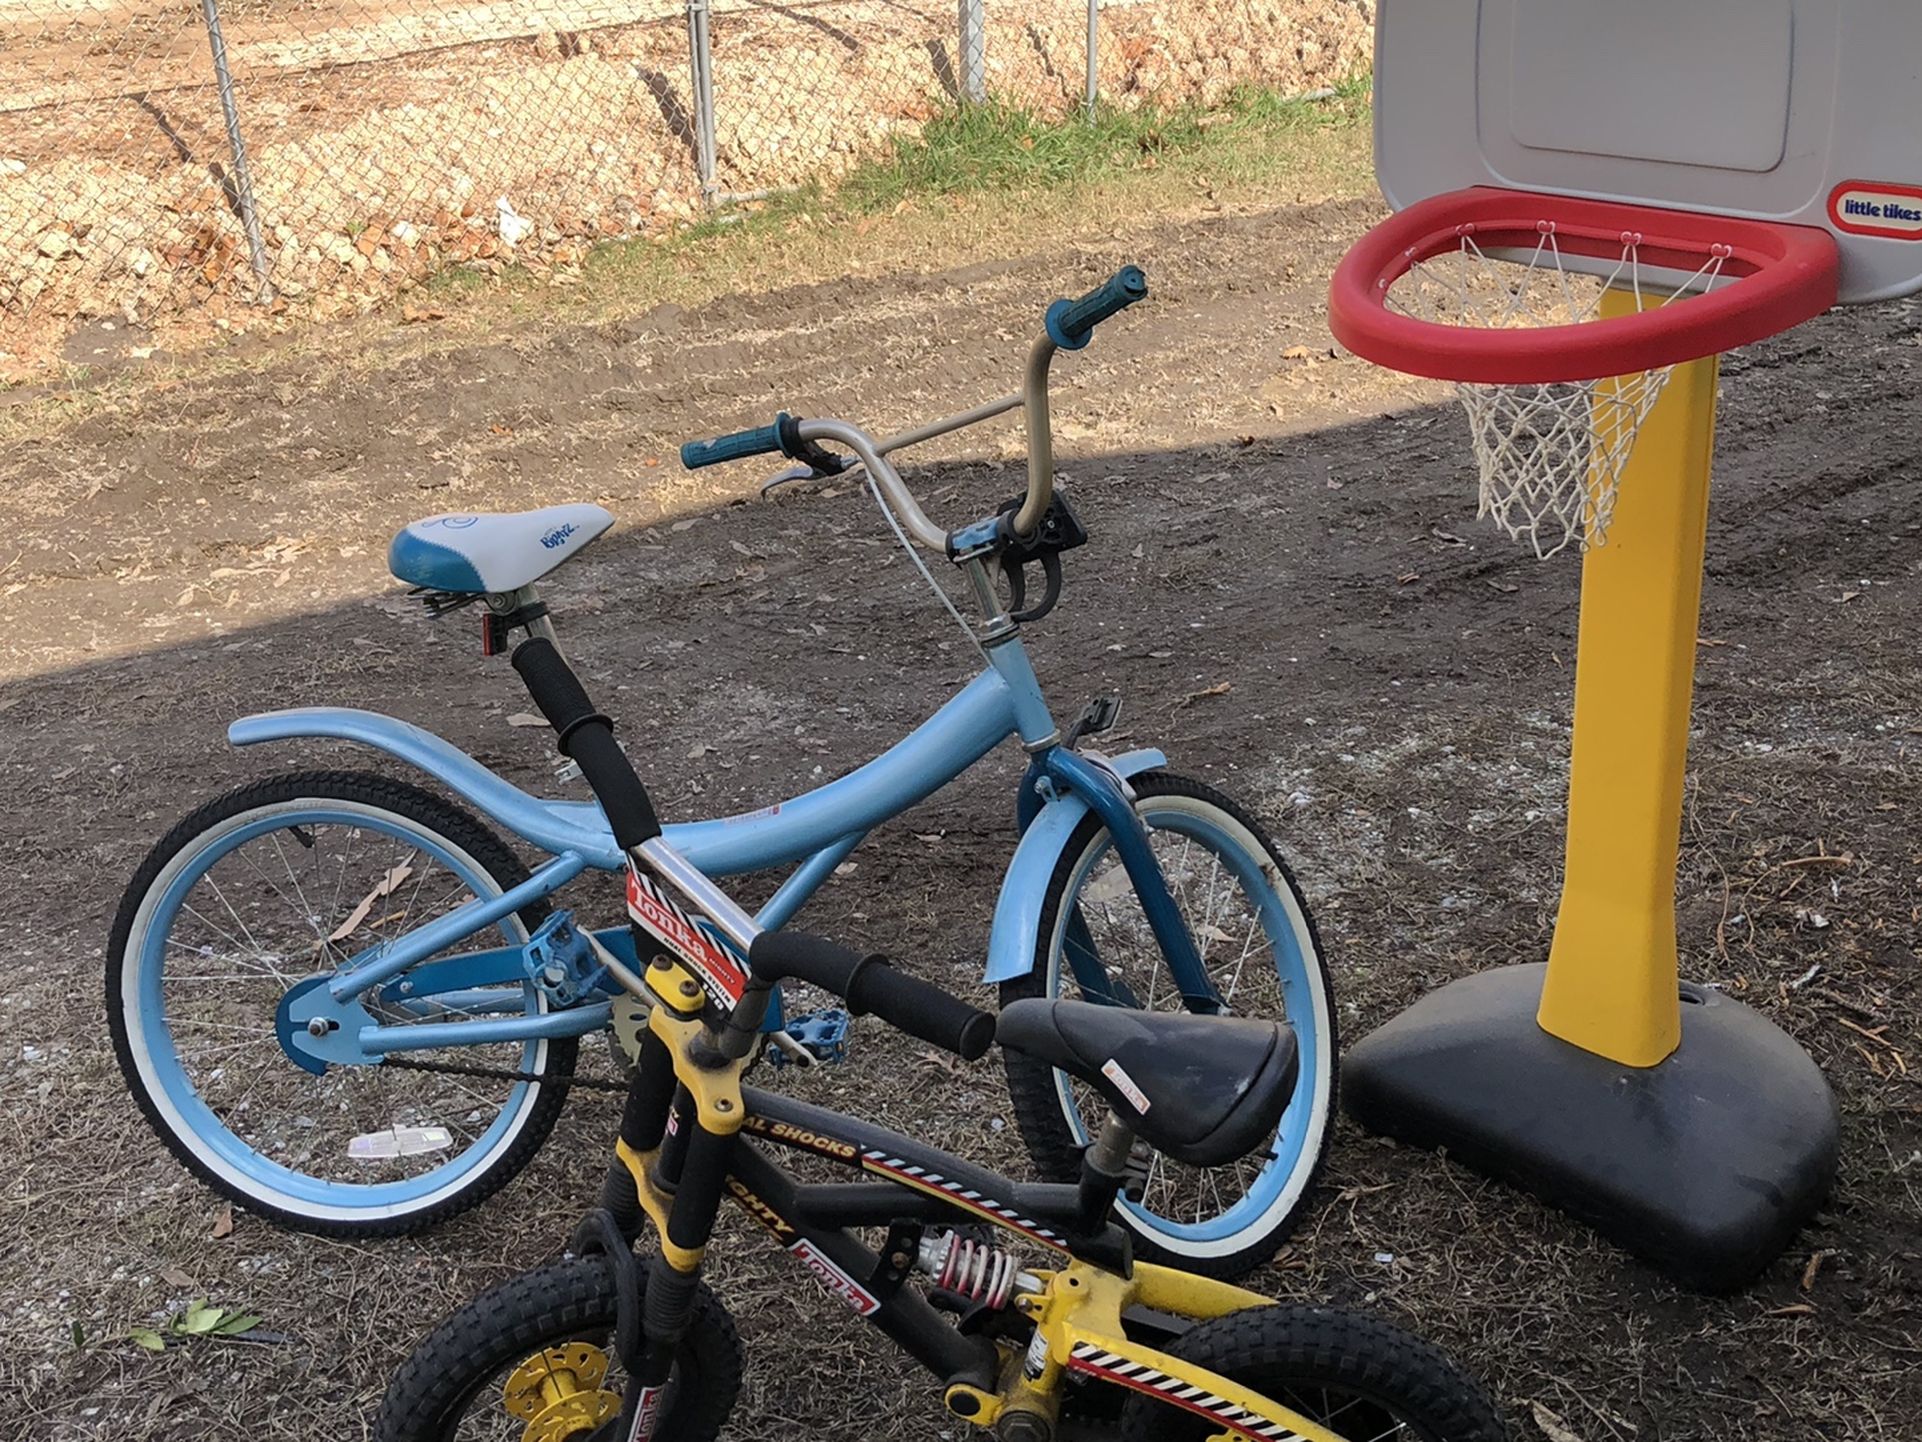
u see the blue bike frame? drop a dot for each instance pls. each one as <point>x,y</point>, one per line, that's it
<point>817,830</point>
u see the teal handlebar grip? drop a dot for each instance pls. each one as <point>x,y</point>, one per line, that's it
<point>758,442</point>
<point>1071,322</point>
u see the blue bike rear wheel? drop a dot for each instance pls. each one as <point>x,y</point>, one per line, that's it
<point>1259,945</point>
<point>270,886</point>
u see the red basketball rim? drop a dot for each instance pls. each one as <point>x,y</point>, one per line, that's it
<point>1785,275</point>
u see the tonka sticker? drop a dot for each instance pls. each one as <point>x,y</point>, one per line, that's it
<point>647,1412</point>
<point>723,976</point>
<point>1873,207</point>
<point>1125,1084</point>
<point>834,1279</point>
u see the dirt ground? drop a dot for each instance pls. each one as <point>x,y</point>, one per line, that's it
<point>1293,527</point>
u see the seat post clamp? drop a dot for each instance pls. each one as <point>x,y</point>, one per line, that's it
<point>497,626</point>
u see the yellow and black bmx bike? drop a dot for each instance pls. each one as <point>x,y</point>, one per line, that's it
<point>1059,1333</point>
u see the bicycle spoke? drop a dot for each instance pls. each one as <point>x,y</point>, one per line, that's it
<point>251,912</point>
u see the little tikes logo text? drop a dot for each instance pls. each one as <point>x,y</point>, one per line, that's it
<point>1867,207</point>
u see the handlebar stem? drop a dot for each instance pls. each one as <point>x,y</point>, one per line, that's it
<point>1034,396</point>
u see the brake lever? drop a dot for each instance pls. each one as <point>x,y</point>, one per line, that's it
<point>1058,530</point>
<point>1014,570</point>
<point>817,463</point>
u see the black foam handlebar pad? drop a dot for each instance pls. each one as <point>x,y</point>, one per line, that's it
<point>870,984</point>
<point>555,688</point>
<point>587,736</point>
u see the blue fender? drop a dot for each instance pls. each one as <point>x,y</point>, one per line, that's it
<point>1017,915</point>
<point>554,826</point>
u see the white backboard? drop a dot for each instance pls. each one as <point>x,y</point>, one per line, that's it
<point>1801,111</point>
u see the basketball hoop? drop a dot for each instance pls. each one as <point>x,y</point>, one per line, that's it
<point>1503,292</point>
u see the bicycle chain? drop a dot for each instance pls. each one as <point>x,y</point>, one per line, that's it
<point>501,1073</point>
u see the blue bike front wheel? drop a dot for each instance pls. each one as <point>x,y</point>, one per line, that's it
<point>263,890</point>
<point>1258,942</point>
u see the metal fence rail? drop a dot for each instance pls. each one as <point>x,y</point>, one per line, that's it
<point>162,159</point>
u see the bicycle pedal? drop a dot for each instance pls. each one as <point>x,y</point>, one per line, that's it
<point>1097,716</point>
<point>822,1034</point>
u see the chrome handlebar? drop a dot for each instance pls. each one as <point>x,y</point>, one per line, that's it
<point>1068,325</point>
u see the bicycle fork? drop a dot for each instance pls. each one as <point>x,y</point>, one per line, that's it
<point>1111,798</point>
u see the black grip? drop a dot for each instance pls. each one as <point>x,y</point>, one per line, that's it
<point>587,736</point>
<point>555,688</point>
<point>871,984</point>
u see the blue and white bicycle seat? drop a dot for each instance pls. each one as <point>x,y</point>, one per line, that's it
<point>470,554</point>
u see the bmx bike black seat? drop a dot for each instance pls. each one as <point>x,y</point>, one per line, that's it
<point>1205,1090</point>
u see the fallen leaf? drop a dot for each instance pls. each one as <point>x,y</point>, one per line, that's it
<point>1553,1427</point>
<point>174,1277</point>
<point>1793,1309</point>
<point>382,888</point>
<point>526,718</point>
<point>224,1218</point>
<point>1815,1265</point>
<point>415,314</point>
<point>1296,352</point>
<point>201,1317</point>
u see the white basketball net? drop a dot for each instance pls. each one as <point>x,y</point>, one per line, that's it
<point>1550,456</point>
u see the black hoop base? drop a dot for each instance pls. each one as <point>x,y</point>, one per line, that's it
<point>1704,1165</point>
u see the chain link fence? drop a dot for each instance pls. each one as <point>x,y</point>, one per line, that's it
<point>193,161</point>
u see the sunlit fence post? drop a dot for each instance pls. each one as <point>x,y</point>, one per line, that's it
<point>243,180</point>
<point>1094,52</point>
<point>700,49</point>
<point>973,53</point>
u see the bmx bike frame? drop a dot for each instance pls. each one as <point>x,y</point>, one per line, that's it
<point>687,1143</point>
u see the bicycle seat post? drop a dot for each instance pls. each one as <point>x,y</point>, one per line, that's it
<point>1104,1171</point>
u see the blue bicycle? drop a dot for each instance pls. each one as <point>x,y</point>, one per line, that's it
<point>344,1001</point>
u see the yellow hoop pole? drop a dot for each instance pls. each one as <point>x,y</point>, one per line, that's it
<point>1612,983</point>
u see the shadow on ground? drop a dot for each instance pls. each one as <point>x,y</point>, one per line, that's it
<point>1311,621</point>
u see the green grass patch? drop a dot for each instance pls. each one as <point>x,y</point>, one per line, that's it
<point>997,146</point>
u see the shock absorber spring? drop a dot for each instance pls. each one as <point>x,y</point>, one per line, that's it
<point>978,1271</point>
